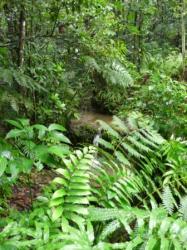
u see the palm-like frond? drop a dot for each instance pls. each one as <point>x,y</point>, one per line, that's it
<point>112,71</point>
<point>71,200</point>
<point>116,74</point>
<point>126,173</point>
<point>152,228</point>
<point>183,208</point>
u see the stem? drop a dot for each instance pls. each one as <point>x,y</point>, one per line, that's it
<point>30,188</point>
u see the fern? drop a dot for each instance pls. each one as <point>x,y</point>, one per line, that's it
<point>176,162</point>
<point>132,137</point>
<point>11,99</point>
<point>183,208</point>
<point>112,71</point>
<point>71,201</point>
<point>126,176</point>
<point>153,228</point>
<point>11,75</point>
<point>115,74</point>
<point>168,200</point>
<point>113,185</point>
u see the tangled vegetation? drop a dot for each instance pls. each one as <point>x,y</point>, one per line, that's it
<point>93,128</point>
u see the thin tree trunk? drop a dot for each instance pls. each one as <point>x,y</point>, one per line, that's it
<point>135,40</point>
<point>139,40</point>
<point>183,30</point>
<point>22,32</point>
<point>12,32</point>
<point>138,21</point>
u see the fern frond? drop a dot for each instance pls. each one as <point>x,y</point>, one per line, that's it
<point>112,71</point>
<point>109,229</point>
<point>168,200</point>
<point>115,74</point>
<point>131,150</point>
<point>70,202</point>
<point>154,228</point>
<point>183,208</point>
<point>113,185</point>
<point>135,154</point>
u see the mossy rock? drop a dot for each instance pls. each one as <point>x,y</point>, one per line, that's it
<point>83,134</point>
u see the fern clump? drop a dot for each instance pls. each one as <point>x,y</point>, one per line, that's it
<point>112,71</point>
<point>126,173</point>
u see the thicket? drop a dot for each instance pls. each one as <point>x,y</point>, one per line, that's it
<point>124,58</point>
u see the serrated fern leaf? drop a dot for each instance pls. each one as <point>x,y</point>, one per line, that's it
<point>183,208</point>
<point>168,200</point>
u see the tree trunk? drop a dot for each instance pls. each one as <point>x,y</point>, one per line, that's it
<point>138,21</point>
<point>22,32</point>
<point>183,30</point>
<point>11,32</point>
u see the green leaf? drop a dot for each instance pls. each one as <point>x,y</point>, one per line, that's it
<point>134,243</point>
<point>59,137</point>
<point>105,144</point>
<point>56,127</point>
<point>121,157</point>
<point>177,245</point>
<point>8,246</point>
<point>77,200</point>
<point>3,165</point>
<point>108,128</point>
<point>64,225</point>
<point>151,243</point>
<point>14,133</point>
<point>63,172</point>
<point>24,122</point>
<point>80,179</point>
<point>46,233</point>
<point>90,231</point>
<point>78,219</point>
<point>131,150</point>
<point>165,243</point>
<point>79,154</point>
<point>79,192</point>
<point>59,180</point>
<point>59,150</point>
<point>76,208</point>
<point>15,123</point>
<point>26,165</point>
<point>41,129</point>
<point>59,193</point>
<point>56,212</point>
<point>56,202</point>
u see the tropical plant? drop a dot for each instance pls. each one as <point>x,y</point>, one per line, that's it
<point>71,200</point>
<point>71,212</point>
<point>127,171</point>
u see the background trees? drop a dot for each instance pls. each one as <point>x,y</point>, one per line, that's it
<point>70,49</point>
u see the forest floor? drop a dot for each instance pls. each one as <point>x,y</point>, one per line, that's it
<point>24,193</point>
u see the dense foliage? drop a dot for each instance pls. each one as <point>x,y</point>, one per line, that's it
<point>126,188</point>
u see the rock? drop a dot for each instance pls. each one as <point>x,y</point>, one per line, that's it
<point>90,119</point>
<point>86,127</point>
